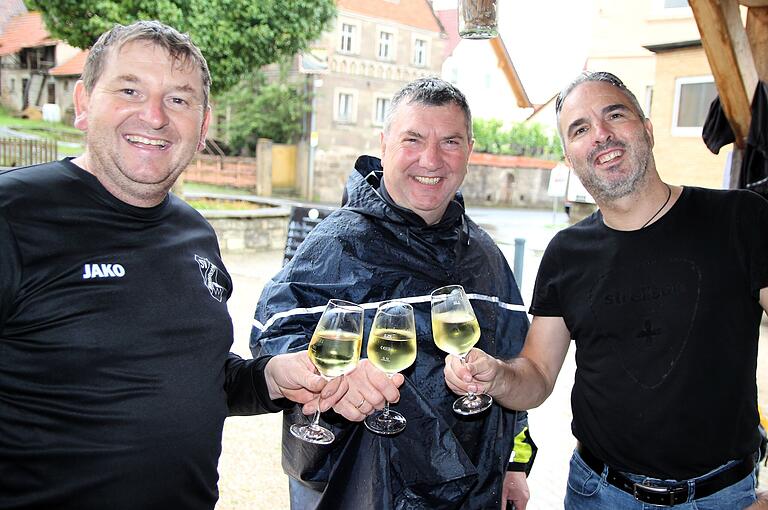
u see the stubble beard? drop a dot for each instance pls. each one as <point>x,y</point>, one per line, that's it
<point>118,176</point>
<point>609,190</point>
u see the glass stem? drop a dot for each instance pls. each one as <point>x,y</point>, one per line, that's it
<point>385,413</point>
<point>470,394</point>
<point>316,417</point>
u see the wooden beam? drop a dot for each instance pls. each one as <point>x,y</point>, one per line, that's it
<point>757,32</point>
<point>506,65</point>
<point>730,57</point>
<point>754,3</point>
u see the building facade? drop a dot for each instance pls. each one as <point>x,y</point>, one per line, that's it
<point>373,48</point>
<point>27,56</point>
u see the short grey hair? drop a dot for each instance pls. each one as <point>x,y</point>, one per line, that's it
<point>178,45</point>
<point>431,91</point>
<point>592,76</point>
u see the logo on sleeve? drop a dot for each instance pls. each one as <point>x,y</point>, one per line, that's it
<point>211,276</point>
<point>103,271</point>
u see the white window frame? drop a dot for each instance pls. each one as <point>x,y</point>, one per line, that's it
<point>679,82</point>
<point>414,52</point>
<point>352,117</point>
<point>353,37</point>
<point>391,44</point>
<point>375,110</point>
<point>648,101</point>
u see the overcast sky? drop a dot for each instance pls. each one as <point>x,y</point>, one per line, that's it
<point>548,40</point>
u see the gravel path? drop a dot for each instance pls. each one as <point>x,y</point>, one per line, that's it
<point>250,476</point>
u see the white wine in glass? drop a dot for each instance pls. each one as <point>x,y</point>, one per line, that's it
<point>334,350</point>
<point>455,331</point>
<point>391,348</point>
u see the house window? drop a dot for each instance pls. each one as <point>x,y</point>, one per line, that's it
<point>380,112</point>
<point>386,45</point>
<point>345,106</point>
<point>648,102</point>
<point>52,93</point>
<point>347,37</point>
<point>419,52</point>
<point>693,95</point>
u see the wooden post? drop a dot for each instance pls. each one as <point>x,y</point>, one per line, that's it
<point>757,32</point>
<point>730,56</point>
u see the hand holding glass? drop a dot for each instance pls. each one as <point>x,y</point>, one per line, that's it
<point>456,331</point>
<point>334,350</point>
<point>391,348</point>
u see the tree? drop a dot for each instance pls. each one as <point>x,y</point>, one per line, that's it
<point>236,36</point>
<point>262,109</point>
<point>522,139</point>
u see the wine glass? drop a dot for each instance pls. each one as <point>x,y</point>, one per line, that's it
<point>456,331</point>
<point>334,350</point>
<point>391,348</point>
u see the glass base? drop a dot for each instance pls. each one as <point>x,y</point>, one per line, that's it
<point>386,424</point>
<point>472,405</point>
<point>312,433</point>
<point>479,33</point>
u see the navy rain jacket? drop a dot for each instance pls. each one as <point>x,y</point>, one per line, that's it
<point>367,252</point>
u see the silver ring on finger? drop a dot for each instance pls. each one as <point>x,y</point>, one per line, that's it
<point>361,404</point>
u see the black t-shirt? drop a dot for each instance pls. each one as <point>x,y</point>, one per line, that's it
<point>666,323</point>
<point>114,340</point>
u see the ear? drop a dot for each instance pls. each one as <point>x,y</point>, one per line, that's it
<point>649,130</point>
<point>204,128</point>
<point>383,144</point>
<point>81,97</point>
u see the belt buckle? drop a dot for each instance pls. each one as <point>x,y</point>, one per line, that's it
<point>651,491</point>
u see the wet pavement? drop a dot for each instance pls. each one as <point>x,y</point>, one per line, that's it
<point>251,476</point>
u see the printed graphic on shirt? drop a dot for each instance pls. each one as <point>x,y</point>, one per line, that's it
<point>103,271</point>
<point>212,276</point>
<point>647,313</point>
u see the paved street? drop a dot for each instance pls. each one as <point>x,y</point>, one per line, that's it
<point>251,476</point>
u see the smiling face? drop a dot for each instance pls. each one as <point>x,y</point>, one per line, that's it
<point>607,142</point>
<point>144,120</point>
<point>424,154</point>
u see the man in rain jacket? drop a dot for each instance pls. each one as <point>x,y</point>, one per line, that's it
<point>402,233</point>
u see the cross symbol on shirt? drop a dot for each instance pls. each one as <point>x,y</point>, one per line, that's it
<point>648,332</point>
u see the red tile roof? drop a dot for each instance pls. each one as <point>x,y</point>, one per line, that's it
<point>412,13</point>
<point>9,9</point>
<point>72,67</point>
<point>450,20</point>
<point>24,31</point>
<point>507,161</point>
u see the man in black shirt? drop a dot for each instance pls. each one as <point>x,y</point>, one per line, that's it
<point>662,290</point>
<point>115,375</point>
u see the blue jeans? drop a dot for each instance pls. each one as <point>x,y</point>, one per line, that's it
<point>588,490</point>
<point>302,497</point>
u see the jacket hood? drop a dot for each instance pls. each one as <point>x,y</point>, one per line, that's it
<point>365,193</point>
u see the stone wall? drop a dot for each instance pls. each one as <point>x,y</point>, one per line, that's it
<point>509,187</point>
<point>332,168</point>
<point>261,230</point>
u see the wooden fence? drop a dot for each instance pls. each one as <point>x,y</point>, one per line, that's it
<point>223,171</point>
<point>23,152</point>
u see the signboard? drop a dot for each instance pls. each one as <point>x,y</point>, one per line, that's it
<point>303,220</point>
<point>576,191</point>
<point>558,181</point>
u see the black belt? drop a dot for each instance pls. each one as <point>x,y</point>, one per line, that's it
<point>673,494</point>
